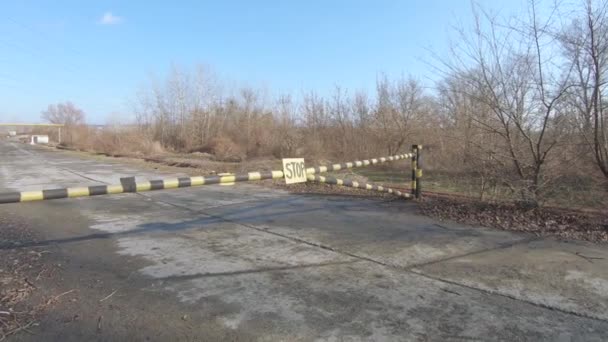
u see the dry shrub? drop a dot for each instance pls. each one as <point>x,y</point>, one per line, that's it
<point>76,136</point>
<point>118,142</point>
<point>314,149</point>
<point>285,145</point>
<point>224,149</point>
<point>138,144</point>
<point>221,149</point>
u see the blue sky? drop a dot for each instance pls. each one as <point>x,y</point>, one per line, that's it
<point>98,54</point>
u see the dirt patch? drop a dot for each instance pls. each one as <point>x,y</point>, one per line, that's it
<point>23,271</point>
<point>564,224</point>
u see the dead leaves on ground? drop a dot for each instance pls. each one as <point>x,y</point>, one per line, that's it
<point>569,225</point>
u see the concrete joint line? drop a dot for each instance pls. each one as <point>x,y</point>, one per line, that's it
<point>82,176</point>
<point>496,293</point>
<point>499,247</point>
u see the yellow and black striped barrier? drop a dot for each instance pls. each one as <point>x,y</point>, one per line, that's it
<point>358,163</point>
<point>358,185</point>
<point>129,185</point>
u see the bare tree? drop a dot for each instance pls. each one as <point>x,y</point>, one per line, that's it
<point>363,121</point>
<point>509,69</point>
<point>463,143</point>
<point>397,108</point>
<point>285,138</point>
<point>203,107</point>
<point>66,114</point>
<point>315,121</point>
<point>340,113</point>
<point>585,43</point>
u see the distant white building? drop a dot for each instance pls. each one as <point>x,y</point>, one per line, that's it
<point>39,139</point>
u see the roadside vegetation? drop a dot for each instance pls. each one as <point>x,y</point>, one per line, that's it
<point>518,115</point>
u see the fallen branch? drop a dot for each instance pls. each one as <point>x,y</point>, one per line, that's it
<point>65,293</point>
<point>108,296</point>
<point>4,323</point>
<point>99,324</point>
<point>40,273</point>
<point>16,330</point>
<point>48,302</point>
<point>29,283</point>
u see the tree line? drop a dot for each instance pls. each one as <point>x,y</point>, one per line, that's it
<point>520,104</point>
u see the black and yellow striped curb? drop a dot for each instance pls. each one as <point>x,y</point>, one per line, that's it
<point>129,185</point>
<point>358,163</point>
<point>358,185</point>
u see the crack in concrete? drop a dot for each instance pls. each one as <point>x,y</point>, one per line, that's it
<point>79,175</point>
<point>481,251</point>
<point>496,293</point>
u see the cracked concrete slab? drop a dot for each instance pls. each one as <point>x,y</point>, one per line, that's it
<point>221,248</point>
<point>370,303</point>
<point>389,232</point>
<point>570,276</point>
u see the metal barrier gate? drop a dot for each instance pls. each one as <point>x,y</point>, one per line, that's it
<point>130,185</point>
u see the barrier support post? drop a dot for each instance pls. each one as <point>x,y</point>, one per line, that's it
<point>128,184</point>
<point>416,171</point>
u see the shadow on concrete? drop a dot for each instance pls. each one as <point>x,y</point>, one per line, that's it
<point>253,271</point>
<point>237,216</point>
<point>200,222</point>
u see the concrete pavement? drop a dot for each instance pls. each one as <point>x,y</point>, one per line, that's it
<point>245,262</point>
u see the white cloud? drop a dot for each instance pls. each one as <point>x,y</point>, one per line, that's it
<point>109,19</point>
